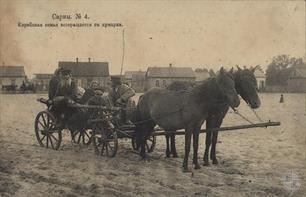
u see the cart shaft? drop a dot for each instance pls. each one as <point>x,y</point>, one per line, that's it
<point>159,132</point>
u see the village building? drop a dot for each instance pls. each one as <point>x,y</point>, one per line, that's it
<point>261,78</point>
<point>297,80</point>
<point>136,80</point>
<point>163,76</point>
<point>128,77</point>
<point>86,72</point>
<point>41,81</point>
<point>139,81</point>
<point>201,75</point>
<point>12,76</point>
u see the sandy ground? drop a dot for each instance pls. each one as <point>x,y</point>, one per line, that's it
<point>254,162</point>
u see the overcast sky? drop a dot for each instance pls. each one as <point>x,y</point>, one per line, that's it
<point>193,34</point>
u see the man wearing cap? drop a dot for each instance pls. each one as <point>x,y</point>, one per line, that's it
<point>66,86</point>
<point>66,92</point>
<point>120,95</point>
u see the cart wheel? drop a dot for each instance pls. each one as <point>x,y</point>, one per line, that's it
<point>76,136</point>
<point>105,141</point>
<point>150,143</point>
<point>84,136</point>
<point>47,135</point>
<point>87,137</point>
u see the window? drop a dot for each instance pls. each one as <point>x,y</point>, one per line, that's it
<point>164,83</point>
<point>157,83</point>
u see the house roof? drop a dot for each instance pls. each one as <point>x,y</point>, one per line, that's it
<point>43,76</point>
<point>299,71</point>
<point>201,76</point>
<point>86,69</point>
<point>12,71</point>
<point>129,74</point>
<point>170,72</point>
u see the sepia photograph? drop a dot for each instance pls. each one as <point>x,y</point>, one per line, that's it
<point>152,98</point>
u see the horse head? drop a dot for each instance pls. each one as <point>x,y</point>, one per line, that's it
<point>226,83</point>
<point>246,86</point>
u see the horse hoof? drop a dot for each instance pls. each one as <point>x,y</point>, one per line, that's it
<point>168,155</point>
<point>215,162</point>
<point>197,166</point>
<point>206,163</point>
<point>175,155</point>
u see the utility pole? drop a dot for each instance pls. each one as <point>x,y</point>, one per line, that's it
<point>123,47</point>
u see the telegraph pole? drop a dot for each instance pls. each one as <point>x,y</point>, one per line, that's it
<point>123,47</point>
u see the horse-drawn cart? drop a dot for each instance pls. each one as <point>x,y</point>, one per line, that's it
<point>102,129</point>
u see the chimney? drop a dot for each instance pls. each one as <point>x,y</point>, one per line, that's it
<point>170,65</point>
<point>77,60</point>
<point>89,59</point>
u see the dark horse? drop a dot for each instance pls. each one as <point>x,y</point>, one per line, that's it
<point>246,87</point>
<point>187,110</point>
<point>170,135</point>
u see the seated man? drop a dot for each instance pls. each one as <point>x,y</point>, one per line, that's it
<point>120,95</point>
<point>79,121</point>
<point>89,92</point>
<point>66,92</point>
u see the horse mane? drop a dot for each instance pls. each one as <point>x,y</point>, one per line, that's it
<point>206,91</point>
<point>180,85</point>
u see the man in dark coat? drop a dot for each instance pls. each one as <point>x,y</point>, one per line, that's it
<point>66,92</point>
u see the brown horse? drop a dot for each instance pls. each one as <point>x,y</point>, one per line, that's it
<point>184,110</point>
<point>246,87</point>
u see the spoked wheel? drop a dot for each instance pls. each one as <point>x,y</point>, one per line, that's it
<point>150,143</point>
<point>105,141</point>
<point>47,135</point>
<point>82,136</point>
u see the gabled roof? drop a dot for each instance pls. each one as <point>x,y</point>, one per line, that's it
<point>129,74</point>
<point>12,71</point>
<point>86,69</point>
<point>170,72</point>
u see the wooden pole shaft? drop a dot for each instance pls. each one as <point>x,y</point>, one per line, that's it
<point>265,124</point>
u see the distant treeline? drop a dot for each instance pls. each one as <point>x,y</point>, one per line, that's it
<point>281,68</point>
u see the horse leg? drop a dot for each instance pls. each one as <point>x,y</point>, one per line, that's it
<point>173,148</point>
<point>214,141</point>
<point>168,149</point>
<point>207,146</point>
<point>187,149</point>
<point>195,148</point>
<point>213,148</point>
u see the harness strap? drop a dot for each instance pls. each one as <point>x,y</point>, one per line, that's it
<point>237,112</point>
<point>257,115</point>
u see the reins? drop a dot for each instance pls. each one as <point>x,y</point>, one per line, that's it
<point>245,118</point>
